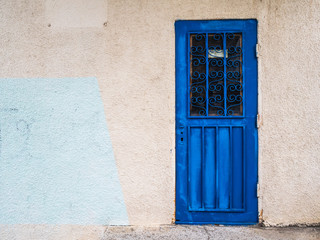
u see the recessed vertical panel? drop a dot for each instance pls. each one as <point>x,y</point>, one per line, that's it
<point>223,167</point>
<point>209,182</point>
<point>195,156</point>
<point>237,163</point>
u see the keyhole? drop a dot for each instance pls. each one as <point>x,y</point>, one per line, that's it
<point>181,139</point>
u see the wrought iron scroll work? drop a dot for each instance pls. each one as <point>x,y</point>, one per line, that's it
<point>198,89</point>
<point>216,75</point>
<point>234,75</point>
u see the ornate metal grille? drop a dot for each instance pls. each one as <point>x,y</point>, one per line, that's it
<point>216,75</point>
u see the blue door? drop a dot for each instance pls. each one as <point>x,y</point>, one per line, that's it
<point>216,134</point>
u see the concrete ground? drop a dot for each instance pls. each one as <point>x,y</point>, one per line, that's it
<point>189,232</point>
<point>163,232</point>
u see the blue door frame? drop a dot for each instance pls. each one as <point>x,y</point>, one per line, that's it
<point>216,134</point>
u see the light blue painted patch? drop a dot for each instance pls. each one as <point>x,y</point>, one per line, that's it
<point>56,161</point>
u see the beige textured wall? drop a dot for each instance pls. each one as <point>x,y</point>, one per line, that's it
<point>289,140</point>
<point>133,58</point>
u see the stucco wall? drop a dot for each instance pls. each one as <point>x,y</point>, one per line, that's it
<point>57,164</point>
<point>129,47</point>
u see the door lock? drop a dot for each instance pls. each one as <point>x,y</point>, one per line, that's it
<point>181,127</point>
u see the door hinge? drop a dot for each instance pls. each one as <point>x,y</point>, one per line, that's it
<point>257,50</point>
<point>259,120</point>
<point>258,190</point>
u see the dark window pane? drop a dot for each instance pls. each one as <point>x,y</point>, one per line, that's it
<point>198,84</point>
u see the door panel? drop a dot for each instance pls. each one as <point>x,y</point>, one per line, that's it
<point>216,107</point>
<point>216,168</point>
